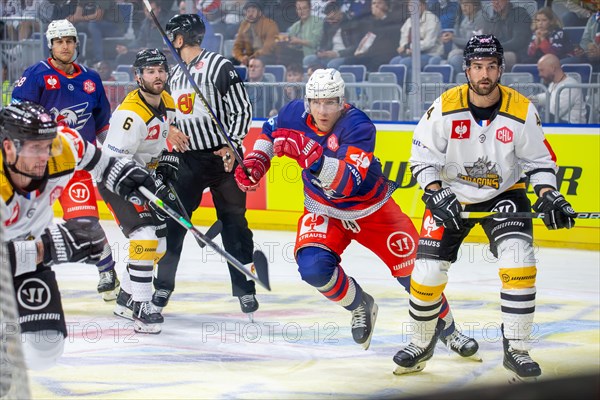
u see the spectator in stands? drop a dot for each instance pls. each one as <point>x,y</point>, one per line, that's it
<point>570,103</point>
<point>256,36</point>
<point>263,98</point>
<point>380,36</point>
<point>512,26</point>
<point>293,74</point>
<point>283,12</point>
<point>573,12</point>
<point>588,50</point>
<point>357,10</point>
<point>10,9</point>
<point>39,9</point>
<point>430,40</point>
<point>148,36</point>
<point>311,69</point>
<point>97,19</point>
<point>468,22</point>
<point>228,18</point>
<point>115,92</point>
<point>548,36</point>
<point>446,10</point>
<point>338,41</point>
<point>303,37</point>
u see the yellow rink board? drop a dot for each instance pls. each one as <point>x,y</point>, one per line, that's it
<point>577,151</point>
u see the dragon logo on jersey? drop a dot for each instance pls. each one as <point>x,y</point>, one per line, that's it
<point>482,173</point>
<point>73,117</point>
<point>185,103</point>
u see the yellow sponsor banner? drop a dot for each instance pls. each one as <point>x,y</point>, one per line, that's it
<point>577,151</point>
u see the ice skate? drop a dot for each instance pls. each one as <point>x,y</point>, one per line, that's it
<point>363,321</point>
<point>146,317</point>
<point>462,345</point>
<point>519,364</point>
<point>124,307</point>
<point>109,285</point>
<point>413,358</point>
<point>248,304</point>
<point>161,297</point>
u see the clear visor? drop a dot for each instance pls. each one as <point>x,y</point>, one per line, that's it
<point>38,148</point>
<point>326,105</point>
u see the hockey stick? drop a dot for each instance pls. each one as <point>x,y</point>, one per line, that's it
<point>214,229</point>
<point>260,264</point>
<point>520,215</point>
<point>203,100</point>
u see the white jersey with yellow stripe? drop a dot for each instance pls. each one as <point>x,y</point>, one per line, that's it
<point>478,162</point>
<point>139,131</point>
<point>29,213</point>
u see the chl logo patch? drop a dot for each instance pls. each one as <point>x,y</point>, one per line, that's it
<point>401,244</point>
<point>33,294</point>
<point>504,135</point>
<point>89,86</point>
<point>79,193</point>
<point>461,129</point>
<point>332,143</point>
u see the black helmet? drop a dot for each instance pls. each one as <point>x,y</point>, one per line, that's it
<point>480,46</point>
<point>26,121</point>
<point>148,58</point>
<point>190,26</point>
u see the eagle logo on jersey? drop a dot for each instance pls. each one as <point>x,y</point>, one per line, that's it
<point>73,117</point>
<point>482,173</point>
<point>461,129</point>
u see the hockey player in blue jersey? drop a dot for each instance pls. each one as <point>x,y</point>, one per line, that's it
<point>76,98</point>
<point>347,198</point>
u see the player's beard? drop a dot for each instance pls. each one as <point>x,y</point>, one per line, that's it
<point>151,88</point>
<point>484,91</point>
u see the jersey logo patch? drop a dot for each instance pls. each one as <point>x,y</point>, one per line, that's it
<point>461,129</point>
<point>401,244</point>
<point>73,117</point>
<point>504,135</point>
<point>332,143</point>
<point>185,103</point>
<point>313,225</point>
<point>51,82</point>
<point>34,294</point>
<point>153,132</point>
<point>89,86</point>
<point>14,216</point>
<point>55,194</point>
<point>429,229</point>
<point>358,158</point>
<point>482,173</point>
<point>79,193</point>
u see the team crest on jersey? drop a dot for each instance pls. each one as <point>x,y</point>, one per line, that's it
<point>89,86</point>
<point>73,117</point>
<point>429,229</point>
<point>14,216</point>
<point>461,129</point>
<point>313,226</point>
<point>185,103</point>
<point>51,82</point>
<point>482,173</point>
<point>504,135</point>
<point>332,143</point>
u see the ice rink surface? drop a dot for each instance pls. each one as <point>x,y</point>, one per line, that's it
<point>300,345</point>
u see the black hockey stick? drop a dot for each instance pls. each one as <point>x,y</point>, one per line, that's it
<point>203,100</point>
<point>520,215</point>
<point>260,264</point>
<point>214,229</point>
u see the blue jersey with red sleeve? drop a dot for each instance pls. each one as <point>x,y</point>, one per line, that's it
<point>77,101</point>
<point>347,183</point>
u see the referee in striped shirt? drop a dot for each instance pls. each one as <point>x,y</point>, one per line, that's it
<point>205,161</point>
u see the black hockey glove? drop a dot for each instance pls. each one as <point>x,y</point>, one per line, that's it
<point>558,213</point>
<point>124,177</point>
<point>168,167</point>
<point>444,207</point>
<point>76,240</point>
<point>163,192</point>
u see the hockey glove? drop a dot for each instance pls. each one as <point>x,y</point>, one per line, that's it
<point>76,240</point>
<point>168,167</point>
<point>124,177</point>
<point>444,207</point>
<point>163,192</point>
<point>558,213</point>
<point>296,145</point>
<point>257,163</point>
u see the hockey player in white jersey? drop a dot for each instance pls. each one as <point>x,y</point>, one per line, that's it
<point>38,159</point>
<point>138,131</point>
<point>474,149</point>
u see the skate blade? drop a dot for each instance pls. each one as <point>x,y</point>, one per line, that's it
<point>250,317</point>
<point>515,379</point>
<point>374,311</point>
<point>140,327</point>
<point>111,295</point>
<point>123,312</point>
<point>475,357</point>
<point>409,370</point>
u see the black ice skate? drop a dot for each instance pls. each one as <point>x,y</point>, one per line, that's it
<point>462,345</point>
<point>248,304</point>
<point>161,297</point>
<point>413,358</point>
<point>146,317</point>
<point>124,307</point>
<point>519,363</point>
<point>363,321</point>
<point>109,285</point>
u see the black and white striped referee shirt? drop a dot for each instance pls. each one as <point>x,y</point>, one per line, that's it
<point>225,93</point>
